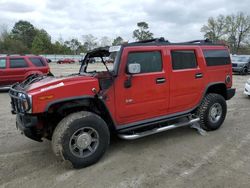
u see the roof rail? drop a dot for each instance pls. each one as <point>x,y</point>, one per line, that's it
<point>21,55</point>
<point>13,55</point>
<point>198,41</point>
<point>161,39</point>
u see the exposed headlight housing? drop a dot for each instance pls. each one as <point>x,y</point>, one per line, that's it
<point>25,104</point>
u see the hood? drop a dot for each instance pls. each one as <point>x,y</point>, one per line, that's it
<point>49,82</point>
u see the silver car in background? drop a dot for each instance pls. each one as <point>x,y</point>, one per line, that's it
<point>241,64</point>
<point>247,88</point>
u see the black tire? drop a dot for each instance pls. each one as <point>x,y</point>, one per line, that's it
<point>245,71</point>
<point>210,102</point>
<point>65,133</point>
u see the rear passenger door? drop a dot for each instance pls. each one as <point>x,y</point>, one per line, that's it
<point>17,69</point>
<point>186,83</point>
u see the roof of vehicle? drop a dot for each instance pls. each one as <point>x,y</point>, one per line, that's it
<point>18,56</point>
<point>162,41</point>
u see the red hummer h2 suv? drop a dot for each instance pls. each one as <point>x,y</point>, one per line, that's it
<point>152,87</point>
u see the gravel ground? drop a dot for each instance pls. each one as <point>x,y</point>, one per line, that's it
<point>177,158</point>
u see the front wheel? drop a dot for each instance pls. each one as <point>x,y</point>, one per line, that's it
<point>244,71</point>
<point>81,138</point>
<point>212,111</point>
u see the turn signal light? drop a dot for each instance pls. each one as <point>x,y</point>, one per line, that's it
<point>46,97</point>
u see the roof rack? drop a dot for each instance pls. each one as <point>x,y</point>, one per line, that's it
<point>197,42</point>
<point>162,40</point>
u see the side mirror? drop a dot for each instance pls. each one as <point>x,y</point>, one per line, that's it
<point>134,68</point>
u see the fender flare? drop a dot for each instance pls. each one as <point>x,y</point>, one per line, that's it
<point>98,101</point>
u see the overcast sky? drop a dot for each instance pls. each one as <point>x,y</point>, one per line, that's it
<point>176,20</point>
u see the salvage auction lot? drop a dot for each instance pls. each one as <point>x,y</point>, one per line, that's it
<point>176,158</point>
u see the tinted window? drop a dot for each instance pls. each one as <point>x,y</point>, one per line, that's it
<point>216,57</point>
<point>183,59</point>
<point>18,63</point>
<point>149,61</point>
<point>2,63</point>
<point>38,62</point>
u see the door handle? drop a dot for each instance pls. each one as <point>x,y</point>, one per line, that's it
<point>160,80</point>
<point>198,75</point>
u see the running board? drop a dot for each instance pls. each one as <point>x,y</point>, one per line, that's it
<point>3,88</point>
<point>157,130</point>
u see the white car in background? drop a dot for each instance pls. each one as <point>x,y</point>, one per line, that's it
<point>247,88</point>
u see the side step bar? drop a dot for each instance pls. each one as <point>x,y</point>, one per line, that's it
<point>157,130</point>
<point>4,88</point>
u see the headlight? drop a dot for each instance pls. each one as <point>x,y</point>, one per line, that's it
<point>248,81</point>
<point>25,103</point>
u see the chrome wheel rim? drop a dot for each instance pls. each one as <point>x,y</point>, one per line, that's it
<point>215,113</point>
<point>84,142</point>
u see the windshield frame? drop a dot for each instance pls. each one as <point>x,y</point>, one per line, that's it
<point>101,52</point>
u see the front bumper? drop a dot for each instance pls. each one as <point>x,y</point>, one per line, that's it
<point>247,89</point>
<point>230,93</point>
<point>27,125</point>
<point>237,69</point>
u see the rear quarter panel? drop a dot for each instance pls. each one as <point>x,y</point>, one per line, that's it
<point>218,73</point>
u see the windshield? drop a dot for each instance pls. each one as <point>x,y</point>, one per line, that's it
<point>240,59</point>
<point>96,64</point>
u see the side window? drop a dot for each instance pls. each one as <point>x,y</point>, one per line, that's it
<point>38,62</point>
<point>183,59</point>
<point>18,63</point>
<point>149,61</point>
<point>2,63</point>
<point>216,57</point>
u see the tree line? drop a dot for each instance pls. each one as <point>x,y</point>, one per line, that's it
<point>232,29</point>
<point>24,38</point>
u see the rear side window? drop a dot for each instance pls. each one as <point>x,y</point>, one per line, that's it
<point>2,63</point>
<point>149,61</point>
<point>18,63</point>
<point>38,62</point>
<point>216,57</point>
<point>183,59</point>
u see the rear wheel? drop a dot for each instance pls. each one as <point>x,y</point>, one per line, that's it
<point>212,111</point>
<point>81,138</point>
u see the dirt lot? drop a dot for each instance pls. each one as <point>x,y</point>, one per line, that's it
<point>177,158</point>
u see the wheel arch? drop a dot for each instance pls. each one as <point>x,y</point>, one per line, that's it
<point>87,103</point>
<point>218,88</point>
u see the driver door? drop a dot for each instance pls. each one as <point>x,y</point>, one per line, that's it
<point>148,95</point>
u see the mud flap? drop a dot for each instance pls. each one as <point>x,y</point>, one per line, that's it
<point>199,129</point>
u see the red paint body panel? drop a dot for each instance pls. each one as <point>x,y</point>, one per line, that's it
<point>148,98</point>
<point>61,89</point>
